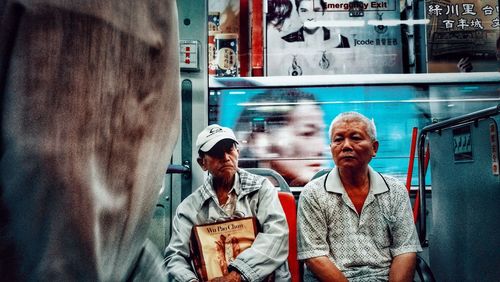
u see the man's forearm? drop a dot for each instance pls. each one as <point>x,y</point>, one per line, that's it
<point>325,269</point>
<point>403,268</point>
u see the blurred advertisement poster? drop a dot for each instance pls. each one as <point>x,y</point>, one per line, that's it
<point>315,37</point>
<point>461,35</point>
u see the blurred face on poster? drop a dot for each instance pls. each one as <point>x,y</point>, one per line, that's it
<point>284,130</point>
<point>301,144</point>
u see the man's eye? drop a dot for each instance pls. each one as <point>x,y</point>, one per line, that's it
<point>232,148</point>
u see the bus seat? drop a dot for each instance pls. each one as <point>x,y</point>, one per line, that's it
<point>271,173</point>
<point>423,272</point>
<point>321,173</point>
<point>288,203</point>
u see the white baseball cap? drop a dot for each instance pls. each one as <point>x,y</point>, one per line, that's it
<point>211,135</point>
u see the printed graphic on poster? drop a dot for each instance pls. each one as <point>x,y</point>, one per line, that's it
<point>462,35</point>
<point>214,246</point>
<point>224,28</point>
<point>315,37</point>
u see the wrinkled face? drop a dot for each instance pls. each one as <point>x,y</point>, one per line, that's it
<point>351,146</point>
<point>222,160</point>
<point>302,140</point>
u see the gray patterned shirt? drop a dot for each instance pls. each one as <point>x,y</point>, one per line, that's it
<point>361,246</point>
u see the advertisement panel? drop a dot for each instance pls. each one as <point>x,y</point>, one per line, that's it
<point>313,37</point>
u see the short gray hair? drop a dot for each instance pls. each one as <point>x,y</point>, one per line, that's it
<point>355,116</point>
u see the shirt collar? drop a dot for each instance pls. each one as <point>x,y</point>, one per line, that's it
<point>237,185</point>
<point>208,188</point>
<point>333,183</point>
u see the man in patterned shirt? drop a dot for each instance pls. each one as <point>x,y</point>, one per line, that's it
<point>354,223</point>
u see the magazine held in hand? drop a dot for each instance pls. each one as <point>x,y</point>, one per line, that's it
<point>214,246</point>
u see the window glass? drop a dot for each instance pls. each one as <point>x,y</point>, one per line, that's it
<point>286,129</point>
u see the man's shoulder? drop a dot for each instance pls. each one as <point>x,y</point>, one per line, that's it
<point>393,182</point>
<point>317,182</point>
<point>250,181</point>
<point>193,202</point>
<point>396,188</point>
<point>249,177</point>
<point>315,186</point>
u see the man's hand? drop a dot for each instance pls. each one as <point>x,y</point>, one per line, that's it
<point>325,269</point>
<point>232,276</point>
<point>464,65</point>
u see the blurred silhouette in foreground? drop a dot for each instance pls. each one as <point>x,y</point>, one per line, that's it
<point>89,120</point>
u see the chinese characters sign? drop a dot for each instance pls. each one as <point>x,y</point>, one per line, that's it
<point>462,29</point>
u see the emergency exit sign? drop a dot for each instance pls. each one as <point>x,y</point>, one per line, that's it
<point>462,144</point>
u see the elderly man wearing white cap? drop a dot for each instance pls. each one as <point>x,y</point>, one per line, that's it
<point>228,192</point>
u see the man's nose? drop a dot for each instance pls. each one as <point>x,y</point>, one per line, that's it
<point>346,145</point>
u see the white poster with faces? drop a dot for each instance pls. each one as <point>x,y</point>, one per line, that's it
<point>316,37</point>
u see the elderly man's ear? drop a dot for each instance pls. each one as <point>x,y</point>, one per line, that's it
<point>375,148</point>
<point>201,162</point>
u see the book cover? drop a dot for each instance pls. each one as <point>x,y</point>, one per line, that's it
<point>214,246</point>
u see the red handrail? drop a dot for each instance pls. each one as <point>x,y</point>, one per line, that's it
<point>417,198</point>
<point>410,170</point>
<point>412,158</point>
